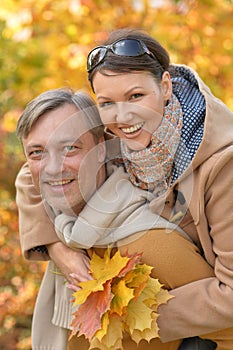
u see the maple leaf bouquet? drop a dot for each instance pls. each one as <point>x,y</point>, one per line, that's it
<point>121,298</point>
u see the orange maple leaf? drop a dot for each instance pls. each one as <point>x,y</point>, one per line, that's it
<point>133,260</point>
<point>97,303</point>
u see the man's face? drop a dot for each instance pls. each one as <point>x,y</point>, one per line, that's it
<point>64,158</point>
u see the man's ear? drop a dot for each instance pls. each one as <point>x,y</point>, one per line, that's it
<point>101,150</point>
<point>166,85</point>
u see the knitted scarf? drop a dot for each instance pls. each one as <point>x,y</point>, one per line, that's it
<point>151,167</point>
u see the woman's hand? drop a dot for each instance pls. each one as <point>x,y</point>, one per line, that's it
<point>73,264</point>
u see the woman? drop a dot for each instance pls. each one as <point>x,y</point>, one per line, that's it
<point>177,142</point>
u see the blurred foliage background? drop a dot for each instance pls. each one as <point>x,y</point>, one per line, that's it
<point>43,45</point>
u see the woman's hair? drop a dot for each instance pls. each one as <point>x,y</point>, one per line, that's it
<point>156,66</point>
<point>52,99</point>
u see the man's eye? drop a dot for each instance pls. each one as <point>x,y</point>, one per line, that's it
<point>35,153</point>
<point>70,148</point>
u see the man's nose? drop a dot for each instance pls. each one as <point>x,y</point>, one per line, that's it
<point>53,165</point>
<point>124,112</point>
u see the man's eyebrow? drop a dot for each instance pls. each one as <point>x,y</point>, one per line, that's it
<point>63,141</point>
<point>33,145</point>
<point>69,140</point>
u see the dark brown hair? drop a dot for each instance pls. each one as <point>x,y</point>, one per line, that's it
<point>156,66</point>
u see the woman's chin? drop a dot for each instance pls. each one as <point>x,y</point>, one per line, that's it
<point>135,145</point>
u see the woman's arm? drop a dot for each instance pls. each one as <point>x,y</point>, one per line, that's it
<point>206,305</point>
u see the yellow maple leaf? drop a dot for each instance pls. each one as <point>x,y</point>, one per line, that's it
<point>113,339</point>
<point>102,270</point>
<point>148,333</point>
<point>138,277</point>
<point>122,296</point>
<point>162,297</point>
<point>103,331</point>
<point>138,315</point>
<point>87,288</point>
<point>108,267</point>
<point>151,293</point>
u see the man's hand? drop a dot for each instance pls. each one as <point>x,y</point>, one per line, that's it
<point>73,264</point>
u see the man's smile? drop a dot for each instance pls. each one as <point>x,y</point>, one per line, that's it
<point>59,183</point>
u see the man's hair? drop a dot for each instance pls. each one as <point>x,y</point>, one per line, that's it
<point>52,99</point>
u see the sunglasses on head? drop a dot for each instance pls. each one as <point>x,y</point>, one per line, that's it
<point>122,47</point>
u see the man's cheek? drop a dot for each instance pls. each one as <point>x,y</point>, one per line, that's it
<point>35,171</point>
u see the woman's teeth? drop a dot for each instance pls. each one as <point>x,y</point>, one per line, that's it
<point>132,128</point>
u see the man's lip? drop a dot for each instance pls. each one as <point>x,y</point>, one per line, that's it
<point>58,182</point>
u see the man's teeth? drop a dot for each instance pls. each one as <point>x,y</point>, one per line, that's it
<point>59,183</point>
<point>132,128</point>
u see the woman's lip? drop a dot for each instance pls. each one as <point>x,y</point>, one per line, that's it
<point>133,130</point>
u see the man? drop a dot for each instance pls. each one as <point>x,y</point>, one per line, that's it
<point>62,137</point>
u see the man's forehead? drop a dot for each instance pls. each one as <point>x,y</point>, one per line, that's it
<point>75,124</point>
<point>60,128</point>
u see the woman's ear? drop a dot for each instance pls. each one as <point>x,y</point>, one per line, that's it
<point>101,150</point>
<point>166,85</point>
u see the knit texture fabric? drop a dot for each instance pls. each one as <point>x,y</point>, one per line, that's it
<point>193,105</point>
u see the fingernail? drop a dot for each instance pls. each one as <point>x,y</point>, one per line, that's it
<point>73,275</point>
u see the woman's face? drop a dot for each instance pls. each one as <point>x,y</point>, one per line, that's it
<point>131,104</point>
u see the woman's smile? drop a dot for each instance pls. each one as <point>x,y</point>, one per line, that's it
<point>133,108</point>
<point>132,130</point>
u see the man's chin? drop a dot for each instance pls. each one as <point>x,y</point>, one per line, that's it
<point>59,204</point>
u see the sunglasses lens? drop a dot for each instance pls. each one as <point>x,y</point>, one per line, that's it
<point>122,47</point>
<point>95,57</point>
<point>128,47</point>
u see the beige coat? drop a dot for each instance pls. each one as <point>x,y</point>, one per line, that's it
<point>207,186</point>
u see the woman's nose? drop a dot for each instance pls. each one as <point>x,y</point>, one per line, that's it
<point>123,112</point>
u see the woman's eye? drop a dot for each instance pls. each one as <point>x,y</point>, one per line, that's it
<point>105,104</point>
<point>135,96</point>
